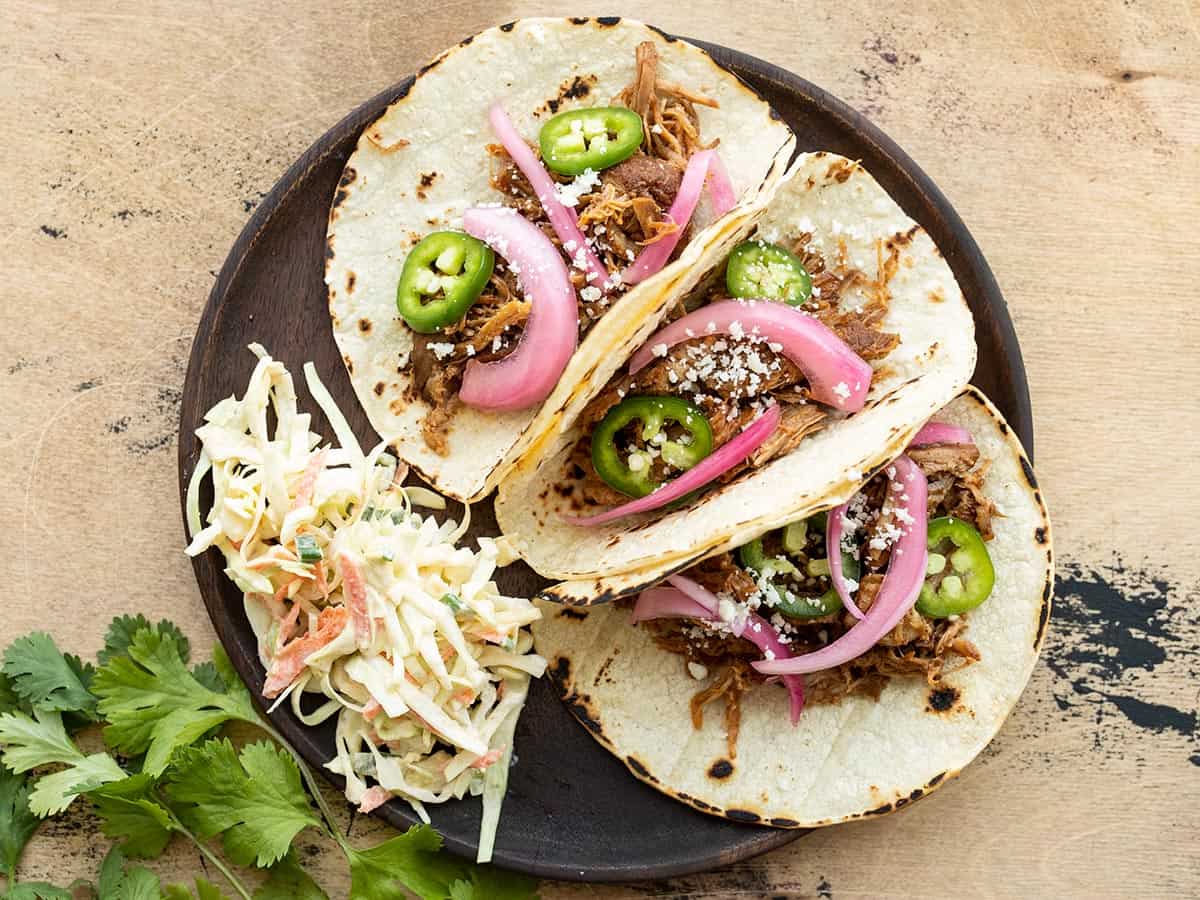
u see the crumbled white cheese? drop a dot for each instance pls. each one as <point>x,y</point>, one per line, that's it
<point>569,194</point>
<point>590,294</point>
<point>727,609</point>
<point>842,390</point>
<point>441,349</point>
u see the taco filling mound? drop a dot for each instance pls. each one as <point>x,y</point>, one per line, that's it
<point>780,587</point>
<point>863,653</point>
<point>537,181</point>
<point>617,170</point>
<point>731,364</point>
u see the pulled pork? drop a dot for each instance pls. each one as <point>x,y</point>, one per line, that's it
<point>486,333</point>
<point>629,209</point>
<point>916,646</point>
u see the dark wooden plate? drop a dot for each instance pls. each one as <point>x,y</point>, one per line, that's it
<point>573,811</point>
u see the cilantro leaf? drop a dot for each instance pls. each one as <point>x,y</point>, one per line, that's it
<point>408,861</point>
<point>36,890</point>
<point>41,740</point>
<point>253,799</point>
<point>411,862</point>
<point>47,678</point>
<point>131,812</point>
<point>17,823</point>
<point>122,629</point>
<point>205,890</point>
<point>489,883</point>
<point>287,880</point>
<point>111,872</point>
<point>206,673</point>
<point>224,666</point>
<point>120,882</point>
<point>154,705</point>
<point>9,699</point>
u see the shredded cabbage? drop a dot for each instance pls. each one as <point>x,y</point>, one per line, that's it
<point>404,633</point>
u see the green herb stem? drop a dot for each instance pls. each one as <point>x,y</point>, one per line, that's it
<point>220,866</point>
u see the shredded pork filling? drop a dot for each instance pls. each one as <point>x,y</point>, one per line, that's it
<point>620,209</point>
<point>917,646</point>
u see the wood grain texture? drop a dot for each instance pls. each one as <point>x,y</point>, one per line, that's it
<point>137,140</point>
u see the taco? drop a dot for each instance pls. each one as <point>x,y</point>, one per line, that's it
<point>809,352</point>
<point>499,233</point>
<point>894,658</point>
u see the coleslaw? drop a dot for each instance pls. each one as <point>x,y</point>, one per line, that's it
<point>356,597</point>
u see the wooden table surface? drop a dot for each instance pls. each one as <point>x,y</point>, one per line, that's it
<point>137,140</point>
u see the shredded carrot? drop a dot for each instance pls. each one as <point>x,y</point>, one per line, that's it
<point>489,758</point>
<point>289,661</point>
<point>371,710</point>
<point>373,798</point>
<point>354,586</point>
<point>308,481</point>
<point>283,591</point>
<point>286,625</point>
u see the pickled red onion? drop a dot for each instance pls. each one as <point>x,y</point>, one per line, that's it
<point>833,552</point>
<point>528,374</point>
<point>901,585</point>
<point>837,376</point>
<point>941,433</point>
<point>706,599</point>
<point>711,467</point>
<point>667,603</point>
<point>704,168</point>
<point>687,599</point>
<point>562,218</point>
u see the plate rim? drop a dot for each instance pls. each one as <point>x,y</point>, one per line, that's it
<point>757,840</point>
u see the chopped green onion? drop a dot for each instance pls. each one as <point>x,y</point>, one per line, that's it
<point>368,513</point>
<point>510,643</point>
<point>454,602</point>
<point>397,516</point>
<point>795,535</point>
<point>308,549</point>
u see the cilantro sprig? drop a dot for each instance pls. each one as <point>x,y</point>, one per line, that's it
<point>168,772</point>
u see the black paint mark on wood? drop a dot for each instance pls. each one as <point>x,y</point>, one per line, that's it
<point>1110,622</point>
<point>54,232</point>
<point>824,888</point>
